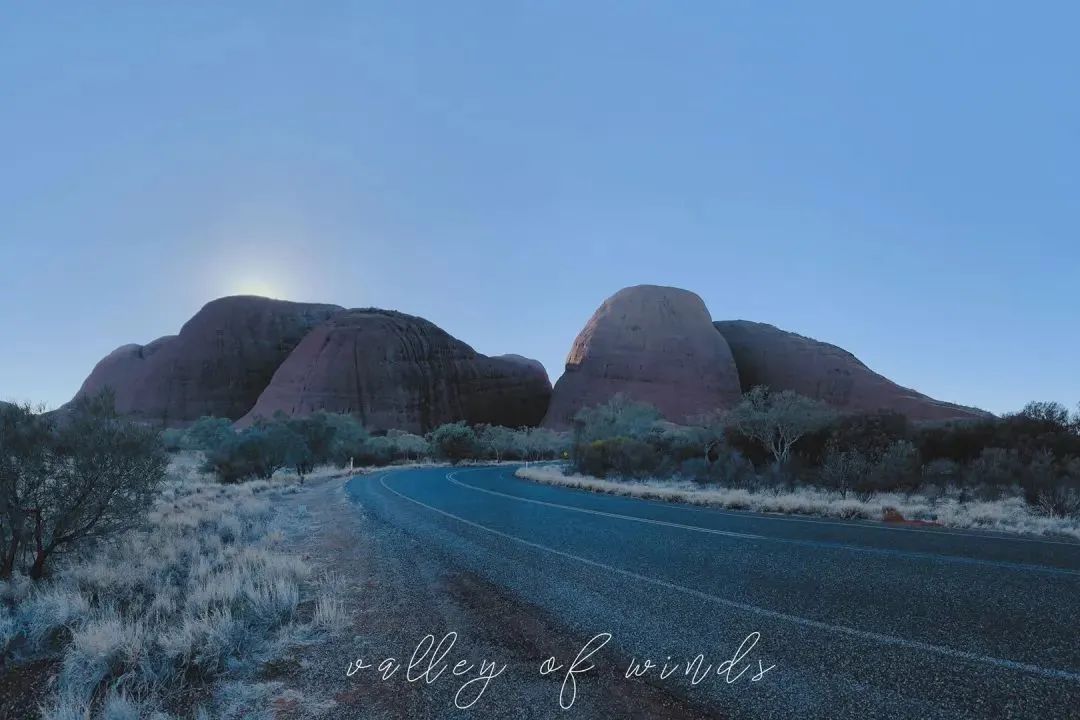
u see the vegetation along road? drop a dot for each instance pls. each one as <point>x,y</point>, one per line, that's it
<point>854,619</point>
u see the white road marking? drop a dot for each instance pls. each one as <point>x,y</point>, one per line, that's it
<point>883,552</point>
<point>1050,673</point>
<point>697,528</point>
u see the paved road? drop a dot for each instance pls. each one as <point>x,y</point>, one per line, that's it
<point>859,620</point>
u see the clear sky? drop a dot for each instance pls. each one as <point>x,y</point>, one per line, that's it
<point>902,181</point>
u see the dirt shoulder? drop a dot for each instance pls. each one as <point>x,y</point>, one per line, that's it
<point>396,591</point>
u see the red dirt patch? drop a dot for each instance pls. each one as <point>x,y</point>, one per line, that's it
<point>23,688</point>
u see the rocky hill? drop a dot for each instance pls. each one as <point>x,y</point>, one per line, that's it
<point>654,344</point>
<point>782,360</point>
<point>241,357</point>
<point>659,345</point>
<point>246,357</point>
<point>218,364</point>
<point>393,370</point>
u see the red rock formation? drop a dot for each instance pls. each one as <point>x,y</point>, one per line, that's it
<point>217,365</point>
<point>766,355</point>
<point>393,370</point>
<point>653,344</point>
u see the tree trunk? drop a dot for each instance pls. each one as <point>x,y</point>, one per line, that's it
<point>15,516</point>
<point>8,566</point>
<point>37,570</point>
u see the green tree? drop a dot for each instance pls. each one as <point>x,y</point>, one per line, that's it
<point>618,417</point>
<point>25,438</point>
<point>778,420</point>
<point>208,433</point>
<point>454,442</point>
<point>90,476</point>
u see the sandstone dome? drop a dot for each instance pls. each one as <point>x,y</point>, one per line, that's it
<point>218,364</point>
<point>653,344</point>
<point>396,371</point>
<point>782,360</point>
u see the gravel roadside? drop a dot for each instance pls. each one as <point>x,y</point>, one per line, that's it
<point>396,591</point>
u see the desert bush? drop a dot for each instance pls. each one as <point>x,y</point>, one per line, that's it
<point>993,472</point>
<point>678,444</point>
<point>895,469</point>
<point>844,470</point>
<point>305,443</point>
<point>407,446</point>
<point>867,433</point>
<point>941,472</point>
<point>500,443</point>
<point>543,443</point>
<point>618,417</point>
<point>1053,486</point>
<point>25,439</point>
<point>207,434</point>
<point>348,439</point>
<point>1052,414</point>
<point>329,438</point>
<point>241,457</point>
<point>732,468</point>
<point>259,451</point>
<point>620,456</point>
<point>778,420</point>
<point>1039,427</point>
<point>173,439</point>
<point>88,477</point>
<point>695,468</point>
<point>454,442</point>
<point>170,605</point>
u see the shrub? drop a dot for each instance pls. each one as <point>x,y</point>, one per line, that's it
<point>844,470</point>
<point>348,440</point>
<point>543,443</point>
<point>25,438</point>
<point>259,451</point>
<point>941,472</point>
<point>500,443</point>
<point>778,420</point>
<point>89,477</point>
<point>869,434</point>
<point>621,456</point>
<point>173,439</point>
<point>208,434</point>
<point>994,470</point>
<point>896,469</point>
<point>407,446</point>
<point>315,439</point>
<point>1053,487</point>
<point>454,442</point>
<point>618,417</point>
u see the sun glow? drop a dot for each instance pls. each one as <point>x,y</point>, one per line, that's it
<point>261,286</point>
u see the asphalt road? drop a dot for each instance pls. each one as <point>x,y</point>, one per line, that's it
<point>856,620</point>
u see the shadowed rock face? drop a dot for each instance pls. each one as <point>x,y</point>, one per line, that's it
<point>217,365</point>
<point>392,370</point>
<point>653,344</point>
<point>767,355</point>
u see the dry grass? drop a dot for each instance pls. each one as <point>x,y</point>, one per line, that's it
<point>1010,515</point>
<point>187,607</point>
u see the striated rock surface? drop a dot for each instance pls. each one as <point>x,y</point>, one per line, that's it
<point>653,344</point>
<point>393,370</point>
<point>767,355</point>
<point>218,364</point>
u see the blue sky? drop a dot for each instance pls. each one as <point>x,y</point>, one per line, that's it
<point>901,181</point>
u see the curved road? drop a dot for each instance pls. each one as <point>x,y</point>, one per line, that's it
<point>855,619</point>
